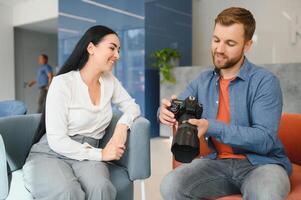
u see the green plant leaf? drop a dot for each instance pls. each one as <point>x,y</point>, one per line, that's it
<point>162,62</point>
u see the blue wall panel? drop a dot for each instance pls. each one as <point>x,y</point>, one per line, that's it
<point>143,26</point>
<point>168,23</point>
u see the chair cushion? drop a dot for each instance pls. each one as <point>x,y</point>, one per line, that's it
<point>295,183</point>
<point>290,136</point>
<point>231,197</point>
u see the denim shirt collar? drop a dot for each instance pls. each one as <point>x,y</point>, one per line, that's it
<point>243,72</point>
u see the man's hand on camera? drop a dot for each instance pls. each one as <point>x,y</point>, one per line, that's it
<point>166,117</point>
<point>202,125</point>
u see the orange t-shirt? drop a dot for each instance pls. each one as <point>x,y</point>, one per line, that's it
<point>223,115</point>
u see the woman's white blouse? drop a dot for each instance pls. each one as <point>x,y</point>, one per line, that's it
<point>69,112</point>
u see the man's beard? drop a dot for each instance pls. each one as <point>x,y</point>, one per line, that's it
<point>229,62</point>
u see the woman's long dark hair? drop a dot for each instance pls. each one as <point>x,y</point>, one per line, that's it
<point>76,61</point>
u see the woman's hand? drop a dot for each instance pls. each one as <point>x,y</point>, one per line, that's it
<point>116,146</point>
<point>112,152</point>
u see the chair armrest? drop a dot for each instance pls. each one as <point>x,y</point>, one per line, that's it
<point>3,171</point>
<point>18,132</point>
<point>136,158</point>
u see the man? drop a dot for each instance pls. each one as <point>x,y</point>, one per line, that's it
<point>242,108</point>
<point>44,77</point>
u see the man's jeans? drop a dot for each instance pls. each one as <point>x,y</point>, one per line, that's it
<point>206,178</point>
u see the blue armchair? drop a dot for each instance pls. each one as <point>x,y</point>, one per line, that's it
<point>12,107</point>
<point>18,133</point>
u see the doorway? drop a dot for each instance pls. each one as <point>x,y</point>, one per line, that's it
<point>30,41</point>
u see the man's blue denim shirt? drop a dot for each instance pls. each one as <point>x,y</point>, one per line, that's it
<point>255,105</point>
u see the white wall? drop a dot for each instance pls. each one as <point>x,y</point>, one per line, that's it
<point>7,80</point>
<point>34,10</point>
<point>12,15</point>
<point>273,29</point>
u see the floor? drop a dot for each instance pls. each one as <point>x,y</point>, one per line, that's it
<point>161,159</point>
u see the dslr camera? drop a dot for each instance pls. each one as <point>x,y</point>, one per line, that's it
<point>185,145</point>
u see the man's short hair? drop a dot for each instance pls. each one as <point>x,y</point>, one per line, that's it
<point>45,57</point>
<point>237,15</point>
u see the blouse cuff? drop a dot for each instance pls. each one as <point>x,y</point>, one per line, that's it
<point>94,153</point>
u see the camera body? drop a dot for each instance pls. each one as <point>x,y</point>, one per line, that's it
<point>185,144</point>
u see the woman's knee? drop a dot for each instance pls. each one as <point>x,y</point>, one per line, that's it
<point>73,190</point>
<point>63,191</point>
<point>102,186</point>
<point>106,185</point>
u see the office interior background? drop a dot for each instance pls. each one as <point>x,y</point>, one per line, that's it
<point>31,27</point>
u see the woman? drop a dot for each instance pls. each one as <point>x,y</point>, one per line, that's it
<point>66,162</point>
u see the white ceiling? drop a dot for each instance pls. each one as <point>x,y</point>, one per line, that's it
<point>46,26</point>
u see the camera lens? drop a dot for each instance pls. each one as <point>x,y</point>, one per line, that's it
<point>185,143</point>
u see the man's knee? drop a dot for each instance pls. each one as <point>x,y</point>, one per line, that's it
<point>268,182</point>
<point>171,186</point>
<point>265,193</point>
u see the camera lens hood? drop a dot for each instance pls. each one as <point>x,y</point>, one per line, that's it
<point>185,145</point>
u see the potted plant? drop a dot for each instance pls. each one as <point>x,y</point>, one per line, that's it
<point>166,59</point>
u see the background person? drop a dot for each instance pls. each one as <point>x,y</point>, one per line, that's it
<point>43,80</point>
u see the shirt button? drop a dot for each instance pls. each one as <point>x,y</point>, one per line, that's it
<point>216,102</point>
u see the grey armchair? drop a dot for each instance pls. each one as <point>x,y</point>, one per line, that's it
<point>18,133</point>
